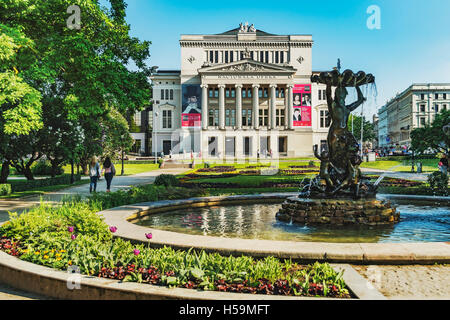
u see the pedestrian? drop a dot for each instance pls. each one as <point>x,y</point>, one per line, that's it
<point>170,154</point>
<point>443,164</point>
<point>109,172</point>
<point>94,174</point>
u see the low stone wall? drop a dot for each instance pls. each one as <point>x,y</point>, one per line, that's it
<point>338,212</point>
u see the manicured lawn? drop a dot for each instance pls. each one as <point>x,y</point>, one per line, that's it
<point>130,168</point>
<point>253,181</point>
<point>42,190</point>
<point>428,165</point>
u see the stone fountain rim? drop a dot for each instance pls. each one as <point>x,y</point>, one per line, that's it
<point>355,253</point>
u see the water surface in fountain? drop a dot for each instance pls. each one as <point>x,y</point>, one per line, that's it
<point>420,222</point>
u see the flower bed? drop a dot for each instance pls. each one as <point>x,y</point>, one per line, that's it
<point>394,182</point>
<point>72,234</point>
<point>290,172</point>
<point>217,169</point>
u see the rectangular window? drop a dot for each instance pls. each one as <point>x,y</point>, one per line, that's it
<point>325,119</point>
<point>280,117</point>
<point>167,94</point>
<point>246,117</point>
<point>162,94</point>
<point>266,93</point>
<point>249,93</point>
<point>216,93</point>
<point>422,121</point>
<point>171,94</point>
<point>167,119</point>
<point>211,92</point>
<point>244,93</point>
<point>226,56</point>
<point>137,118</point>
<point>277,57</point>
<point>436,96</point>
<point>422,96</point>
<point>436,108</point>
<point>444,96</point>
<point>233,93</point>
<point>231,56</point>
<point>227,92</point>
<point>216,58</point>
<point>213,117</point>
<point>281,57</point>
<point>422,108</point>
<point>267,57</point>
<point>263,117</point>
<point>261,56</point>
<point>211,56</point>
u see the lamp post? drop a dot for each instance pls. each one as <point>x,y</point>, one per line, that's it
<point>155,128</point>
<point>123,169</point>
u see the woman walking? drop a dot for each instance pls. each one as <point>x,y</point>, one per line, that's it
<point>94,174</point>
<point>443,164</point>
<point>109,171</point>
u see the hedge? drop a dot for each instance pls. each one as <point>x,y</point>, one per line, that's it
<point>5,189</point>
<point>401,158</point>
<point>25,185</point>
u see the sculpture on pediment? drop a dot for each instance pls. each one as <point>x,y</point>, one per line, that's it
<point>246,54</point>
<point>245,28</point>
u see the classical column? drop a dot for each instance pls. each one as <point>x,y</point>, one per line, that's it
<point>204,106</point>
<point>290,107</point>
<point>238,106</point>
<point>221,106</point>
<point>255,106</point>
<point>273,106</point>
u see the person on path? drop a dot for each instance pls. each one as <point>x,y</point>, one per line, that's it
<point>109,172</point>
<point>443,164</point>
<point>94,174</point>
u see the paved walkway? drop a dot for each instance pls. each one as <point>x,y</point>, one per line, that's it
<point>399,175</point>
<point>119,182</point>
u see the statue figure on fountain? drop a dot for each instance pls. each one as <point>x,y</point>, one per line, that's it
<point>340,164</point>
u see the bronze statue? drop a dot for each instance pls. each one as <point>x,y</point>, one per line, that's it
<point>340,165</point>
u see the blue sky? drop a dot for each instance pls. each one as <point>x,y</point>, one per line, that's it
<point>413,44</point>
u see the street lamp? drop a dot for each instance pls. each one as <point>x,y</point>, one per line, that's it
<point>155,128</point>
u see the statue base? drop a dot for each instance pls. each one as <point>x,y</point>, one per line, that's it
<point>338,212</point>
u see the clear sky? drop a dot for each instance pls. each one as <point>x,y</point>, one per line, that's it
<point>413,44</point>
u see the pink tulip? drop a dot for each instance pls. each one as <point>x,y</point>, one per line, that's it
<point>136,252</point>
<point>113,229</point>
<point>74,236</point>
<point>148,236</point>
<point>70,229</point>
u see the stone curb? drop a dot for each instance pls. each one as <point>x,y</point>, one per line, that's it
<point>307,252</point>
<point>54,284</point>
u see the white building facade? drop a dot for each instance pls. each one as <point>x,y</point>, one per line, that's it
<point>415,107</point>
<point>243,93</point>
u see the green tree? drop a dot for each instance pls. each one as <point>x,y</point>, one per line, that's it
<point>20,104</point>
<point>368,129</point>
<point>80,72</point>
<point>431,137</point>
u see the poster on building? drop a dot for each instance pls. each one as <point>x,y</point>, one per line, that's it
<point>191,109</point>
<point>302,105</point>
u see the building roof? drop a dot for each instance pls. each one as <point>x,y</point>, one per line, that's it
<point>236,31</point>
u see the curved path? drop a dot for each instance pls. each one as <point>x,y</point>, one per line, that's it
<point>119,182</point>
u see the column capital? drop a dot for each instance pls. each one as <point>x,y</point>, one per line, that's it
<point>272,85</point>
<point>203,86</point>
<point>255,86</point>
<point>290,86</point>
<point>239,85</point>
<point>221,86</point>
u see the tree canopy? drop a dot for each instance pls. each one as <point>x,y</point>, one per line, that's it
<point>432,137</point>
<point>72,77</point>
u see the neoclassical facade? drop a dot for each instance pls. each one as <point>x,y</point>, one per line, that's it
<point>239,94</point>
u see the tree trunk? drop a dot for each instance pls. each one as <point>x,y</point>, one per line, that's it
<point>5,172</point>
<point>55,165</point>
<point>27,172</point>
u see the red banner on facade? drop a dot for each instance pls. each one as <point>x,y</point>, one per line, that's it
<point>302,105</point>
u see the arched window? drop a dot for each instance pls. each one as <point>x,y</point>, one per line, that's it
<point>162,94</point>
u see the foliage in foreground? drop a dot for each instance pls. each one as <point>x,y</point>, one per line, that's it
<point>72,234</point>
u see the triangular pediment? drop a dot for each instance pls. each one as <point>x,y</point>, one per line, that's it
<point>246,65</point>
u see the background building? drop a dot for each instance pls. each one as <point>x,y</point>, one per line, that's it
<point>413,108</point>
<point>242,93</point>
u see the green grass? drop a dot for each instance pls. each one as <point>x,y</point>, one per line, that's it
<point>428,165</point>
<point>253,181</point>
<point>130,169</point>
<point>43,190</point>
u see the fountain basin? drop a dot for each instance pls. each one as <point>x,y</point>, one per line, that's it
<point>307,211</point>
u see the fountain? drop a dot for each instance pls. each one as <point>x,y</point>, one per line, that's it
<point>340,194</point>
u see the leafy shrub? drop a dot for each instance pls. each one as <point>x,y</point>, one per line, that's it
<point>5,189</point>
<point>44,168</point>
<point>206,165</point>
<point>24,185</point>
<point>311,163</point>
<point>438,183</point>
<point>167,180</point>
